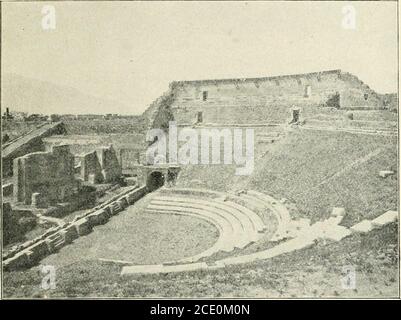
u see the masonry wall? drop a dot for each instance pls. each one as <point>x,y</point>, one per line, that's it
<point>111,168</point>
<point>51,174</point>
<point>91,169</point>
<point>266,99</point>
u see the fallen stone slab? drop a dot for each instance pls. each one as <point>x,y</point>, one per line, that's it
<point>362,227</point>
<point>385,218</point>
<point>385,173</point>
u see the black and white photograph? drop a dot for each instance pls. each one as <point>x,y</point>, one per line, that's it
<point>200,150</point>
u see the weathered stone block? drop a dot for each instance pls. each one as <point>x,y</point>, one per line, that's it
<point>38,251</point>
<point>98,217</point>
<point>123,203</point>
<point>83,227</point>
<point>115,208</point>
<point>69,234</point>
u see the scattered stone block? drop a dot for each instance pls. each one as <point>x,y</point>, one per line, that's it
<point>83,227</point>
<point>385,218</point>
<point>362,227</point>
<point>385,173</point>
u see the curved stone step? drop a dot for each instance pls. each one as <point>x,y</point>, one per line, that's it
<point>225,240</point>
<point>237,219</point>
<point>247,218</point>
<point>240,238</point>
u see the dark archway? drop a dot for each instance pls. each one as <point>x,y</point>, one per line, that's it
<point>155,180</point>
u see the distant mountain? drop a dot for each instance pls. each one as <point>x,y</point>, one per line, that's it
<point>20,93</point>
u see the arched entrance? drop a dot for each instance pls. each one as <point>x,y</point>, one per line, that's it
<point>155,180</point>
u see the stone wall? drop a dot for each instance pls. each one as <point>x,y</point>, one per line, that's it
<point>260,100</point>
<point>46,177</point>
<point>111,168</point>
<point>91,169</point>
<point>28,143</point>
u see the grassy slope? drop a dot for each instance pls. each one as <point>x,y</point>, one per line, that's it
<point>321,171</point>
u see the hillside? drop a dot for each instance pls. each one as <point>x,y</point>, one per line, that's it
<point>30,95</point>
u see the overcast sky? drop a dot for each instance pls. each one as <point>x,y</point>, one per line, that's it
<point>130,51</point>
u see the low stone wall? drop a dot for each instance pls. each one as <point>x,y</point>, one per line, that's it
<point>31,252</point>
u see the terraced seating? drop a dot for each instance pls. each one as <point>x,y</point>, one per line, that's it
<point>280,211</point>
<point>238,226</point>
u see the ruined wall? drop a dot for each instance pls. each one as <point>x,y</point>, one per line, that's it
<point>49,175</point>
<point>91,169</point>
<point>111,168</point>
<point>262,100</point>
<point>27,143</point>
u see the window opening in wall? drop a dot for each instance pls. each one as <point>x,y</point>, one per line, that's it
<point>366,96</point>
<point>204,95</point>
<point>308,91</point>
<point>199,117</point>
